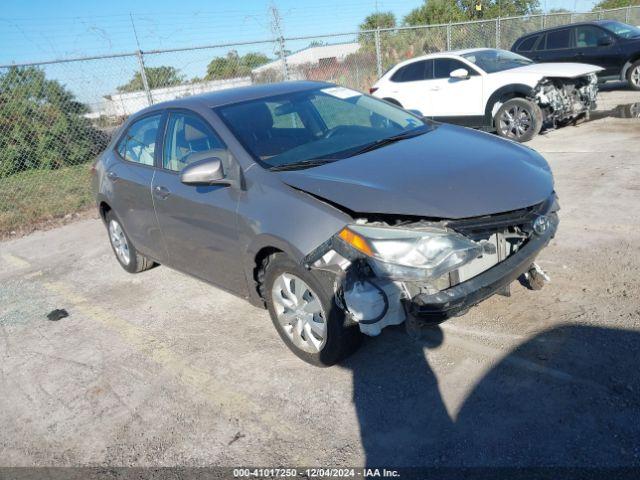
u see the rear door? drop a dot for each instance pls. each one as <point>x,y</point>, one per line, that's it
<point>198,223</point>
<point>454,97</point>
<point>597,47</point>
<point>410,86</point>
<point>130,178</point>
<point>556,46</point>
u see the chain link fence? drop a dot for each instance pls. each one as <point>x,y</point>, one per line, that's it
<point>57,116</point>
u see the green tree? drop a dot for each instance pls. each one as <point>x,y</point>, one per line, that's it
<point>606,4</point>
<point>379,20</point>
<point>444,11</point>
<point>157,77</point>
<point>42,124</point>
<point>233,65</point>
<point>434,12</point>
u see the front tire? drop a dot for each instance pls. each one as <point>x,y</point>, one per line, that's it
<point>126,254</point>
<point>633,76</point>
<point>304,311</point>
<point>518,119</point>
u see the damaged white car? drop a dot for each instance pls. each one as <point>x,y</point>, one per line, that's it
<point>493,90</point>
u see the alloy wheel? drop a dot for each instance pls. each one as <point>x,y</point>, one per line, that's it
<point>119,242</point>
<point>515,122</point>
<point>299,312</point>
<point>635,76</point>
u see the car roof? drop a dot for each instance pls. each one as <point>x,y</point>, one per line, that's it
<point>566,25</point>
<point>236,95</point>
<point>451,53</point>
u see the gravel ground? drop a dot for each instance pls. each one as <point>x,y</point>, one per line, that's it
<point>161,369</point>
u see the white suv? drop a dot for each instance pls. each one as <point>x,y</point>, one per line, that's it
<point>491,89</point>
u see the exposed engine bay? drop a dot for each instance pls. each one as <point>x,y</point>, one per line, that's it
<point>376,297</point>
<point>564,99</point>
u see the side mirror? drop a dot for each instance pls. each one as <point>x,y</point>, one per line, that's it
<point>605,41</point>
<point>206,171</point>
<point>460,74</point>
<point>415,112</point>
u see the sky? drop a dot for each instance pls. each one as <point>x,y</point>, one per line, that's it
<point>34,30</point>
<point>41,30</point>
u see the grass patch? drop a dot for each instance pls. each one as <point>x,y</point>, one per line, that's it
<point>39,195</point>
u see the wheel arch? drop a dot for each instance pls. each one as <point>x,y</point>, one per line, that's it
<point>257,254</point>
<point>501,95</point>
<point>103,209</point>
<point>627,66</point>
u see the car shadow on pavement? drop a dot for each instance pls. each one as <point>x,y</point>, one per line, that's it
<point>567,397</point>
<point>612,86</point>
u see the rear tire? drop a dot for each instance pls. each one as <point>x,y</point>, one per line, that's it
<point>126,254</point>
<point>518,119</point>
<point>633,76</point>
<point>304,311</point>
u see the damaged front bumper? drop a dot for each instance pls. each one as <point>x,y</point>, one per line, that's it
<point>375,301</point>
<point>564,99</point>
<point>459,298</point>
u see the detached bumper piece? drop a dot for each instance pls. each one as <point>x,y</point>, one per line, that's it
<point>458,299</point>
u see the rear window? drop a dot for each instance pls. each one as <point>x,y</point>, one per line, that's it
<point>559,39</point>
<point>414,72</point>
<point>527,44</point>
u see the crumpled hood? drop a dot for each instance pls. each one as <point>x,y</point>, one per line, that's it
<point>557,70</point>
<point>448,173</point>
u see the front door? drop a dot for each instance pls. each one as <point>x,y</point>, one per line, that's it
<point>596,47</point>
<point>198,223</point>
<point>454,97</point>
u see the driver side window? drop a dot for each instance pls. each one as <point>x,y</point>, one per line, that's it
<point>187,134</point>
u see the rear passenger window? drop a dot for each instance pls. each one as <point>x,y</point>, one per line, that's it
<point>422,70</point>
<point>527,44</point>
<point>138,144</point>
<point>559,39</point>
<point>444,66</point>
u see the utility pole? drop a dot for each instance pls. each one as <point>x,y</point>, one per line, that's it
<point>276,28</point>
<point>143,73</point>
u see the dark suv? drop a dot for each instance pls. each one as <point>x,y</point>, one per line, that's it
<point>612,45</point>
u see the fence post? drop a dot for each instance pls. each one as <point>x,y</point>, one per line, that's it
<point>449,36</point>
<point>378,52</point>
<point>498,32</point>
<point>282,53</point>
<point>544,21</point>
<point>143,75</point>
<point>627,14</point>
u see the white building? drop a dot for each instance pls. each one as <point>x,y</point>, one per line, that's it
<point>318,56</point>
<point>126,103</point>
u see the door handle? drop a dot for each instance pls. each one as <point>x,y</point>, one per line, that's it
<point>162,192</point>
<point>113,176</point>
<point>434,89</point>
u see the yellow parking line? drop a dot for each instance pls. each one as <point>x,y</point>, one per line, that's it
<point>233,403</point>
<point>14,261</point>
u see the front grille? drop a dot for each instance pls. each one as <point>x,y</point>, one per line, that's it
<point>521,220</point>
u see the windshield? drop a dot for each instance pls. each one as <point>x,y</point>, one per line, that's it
<point>316,126</point>
<point>492,61</point>
<point>622,29</point>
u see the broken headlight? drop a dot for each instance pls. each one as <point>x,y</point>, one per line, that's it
<point>410,254</point>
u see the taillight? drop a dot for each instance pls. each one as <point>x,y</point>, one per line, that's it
<point>372,90</point>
